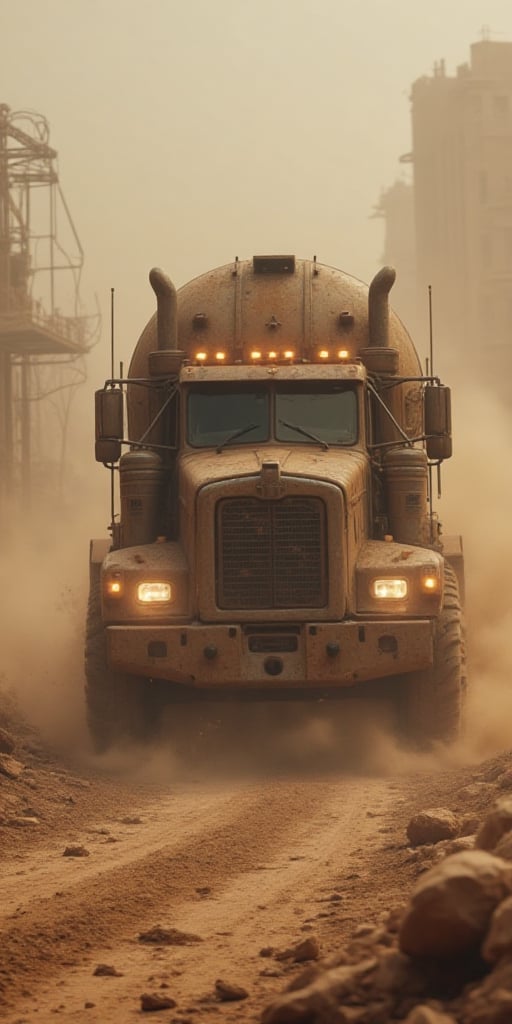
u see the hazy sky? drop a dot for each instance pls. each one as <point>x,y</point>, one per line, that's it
<point>189,133</point>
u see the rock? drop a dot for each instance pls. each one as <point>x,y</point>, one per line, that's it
<point>452,904</point>
<point>363,930</point>
<point>322,999</point>
<point>76,851</point>
<point>490,773</point>
<point>469,824</point>
<point>150,1002</point>
<point>460,843</point>
<point>106,971</point>
<point>474,790</point>
<point>10,767</point>
<point>131,820</point>
<point>503,848</point>
<point>491,1001</point>
<point>396,973</point>
<point>229,993</point>
<point>499,936</point>
<point>23,821</point>
<point>306,949</point>
<point>168,937</point>
<point>426,1015</point>
<point>431,826</point>
<point>7,742</point>
<point>505,780</point>
<point>497,822</point>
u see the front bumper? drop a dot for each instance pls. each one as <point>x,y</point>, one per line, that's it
<point>334,654</point>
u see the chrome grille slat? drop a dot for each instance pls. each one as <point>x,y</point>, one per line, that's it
<point>271,554</point>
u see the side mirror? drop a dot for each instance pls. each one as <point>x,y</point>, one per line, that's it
<point>108,405</point>
<point>438,421</point>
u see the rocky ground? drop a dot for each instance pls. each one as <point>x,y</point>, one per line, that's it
<point>445,954</point>
<point>425,937</point>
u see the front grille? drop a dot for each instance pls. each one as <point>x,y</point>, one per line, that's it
<point>271,554</point>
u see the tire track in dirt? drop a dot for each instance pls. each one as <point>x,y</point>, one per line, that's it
<point>53,931</point>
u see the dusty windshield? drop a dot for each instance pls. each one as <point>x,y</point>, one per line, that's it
<point>322,413</point>
<point>326,412</point>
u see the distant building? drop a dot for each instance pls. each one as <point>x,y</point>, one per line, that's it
<point>462,172</point>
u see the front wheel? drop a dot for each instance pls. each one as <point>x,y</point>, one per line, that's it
<point>431,701</point>
<point>119,707</point>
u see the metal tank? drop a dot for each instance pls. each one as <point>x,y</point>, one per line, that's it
<point>282,304</point>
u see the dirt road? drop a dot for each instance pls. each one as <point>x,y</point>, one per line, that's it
<point>240,867</point>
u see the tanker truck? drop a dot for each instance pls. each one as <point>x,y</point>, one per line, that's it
<point>276,538</point>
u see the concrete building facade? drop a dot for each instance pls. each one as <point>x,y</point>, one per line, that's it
<point>461,210</point>
<point>462,163</point>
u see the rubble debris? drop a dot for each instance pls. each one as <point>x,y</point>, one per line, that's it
<point>229,993</point>
<point>168,937</point>
<point>152,1001</point>
<point>431,826</point>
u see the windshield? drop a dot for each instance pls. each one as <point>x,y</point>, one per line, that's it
<point>324,413</point>
<point>321,413</point>
<point>216,414</point>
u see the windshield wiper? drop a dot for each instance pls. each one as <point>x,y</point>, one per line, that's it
<point>305,433</point>
<point>237,433</point>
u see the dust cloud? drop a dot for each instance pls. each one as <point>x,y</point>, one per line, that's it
<point>478,488</point>
<point>44,582</point>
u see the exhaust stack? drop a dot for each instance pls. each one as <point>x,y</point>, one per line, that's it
<point>378,307</point>
<point>167,309</point>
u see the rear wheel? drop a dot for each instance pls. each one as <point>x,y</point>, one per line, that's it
<point>119,706</point>
<point>431,701</point>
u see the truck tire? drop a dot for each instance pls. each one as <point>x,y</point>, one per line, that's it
<point>119,707</point>
<point>431,700</point>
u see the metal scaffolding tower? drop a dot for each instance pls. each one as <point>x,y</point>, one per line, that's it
<point>43,333</point>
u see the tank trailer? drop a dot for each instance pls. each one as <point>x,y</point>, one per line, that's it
<point>276,537</point>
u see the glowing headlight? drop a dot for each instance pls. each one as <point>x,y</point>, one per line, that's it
<point>149,592</point>
<point>389,590</point>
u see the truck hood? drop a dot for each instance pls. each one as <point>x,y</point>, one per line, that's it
<point>345,467</point>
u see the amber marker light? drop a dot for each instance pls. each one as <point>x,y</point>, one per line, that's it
<point>430,584</point>
<point>113,588</point>
<point>272,355</point>
<point>343,354</point>
<point>255,354</point>
<point>289,354</point>
<point>220,356</point>
<point>323,353</point>
<point>200,356</point>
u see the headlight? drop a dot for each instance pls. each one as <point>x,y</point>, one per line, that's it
<point>149,592</point>
<point>389,590</point>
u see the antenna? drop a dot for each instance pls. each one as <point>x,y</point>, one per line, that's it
<point>112,487</point>
<point>112,294</point>
<point>430,330</point>
<point>430,372</point>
